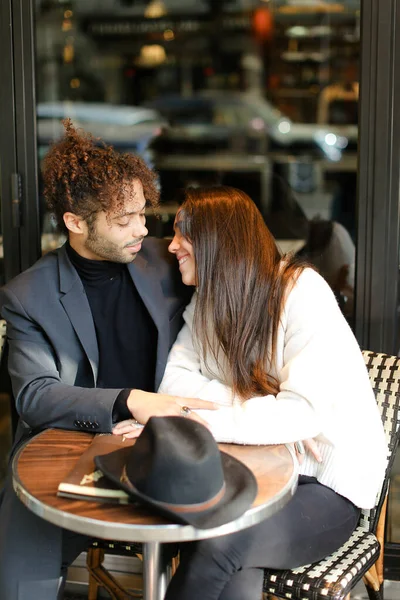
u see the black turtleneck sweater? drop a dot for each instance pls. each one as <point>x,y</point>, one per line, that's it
<point>126,334</point>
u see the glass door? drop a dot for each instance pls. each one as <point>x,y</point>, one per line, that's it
<point>259,95</point>
<point>295,101</point>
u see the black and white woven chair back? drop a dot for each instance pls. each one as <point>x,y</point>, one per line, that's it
<point>384,374</point>
<point>333,577</point>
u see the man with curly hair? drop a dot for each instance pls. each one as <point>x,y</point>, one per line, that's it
<point>89,328</point>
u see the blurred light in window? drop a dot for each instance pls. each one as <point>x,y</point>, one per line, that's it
<point>284,126</point>
<point>331,144</point>
<point>330,139</point>
<point>169,35</point>
<point>75,83</point>
<point>257,124</point>
<point>151,55</point>
<point>68,14</point>
<point>263,23</point>
<point>307,6</point>
<point>68,53</point>
<point>155,10</point>
<point>296,31</point>
<point>66,25</point>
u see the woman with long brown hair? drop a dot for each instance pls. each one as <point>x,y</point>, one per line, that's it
<point>265,338</point>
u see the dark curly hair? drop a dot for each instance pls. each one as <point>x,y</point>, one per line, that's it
<point>83,175</point>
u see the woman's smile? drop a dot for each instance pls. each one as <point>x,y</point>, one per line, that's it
<point>183,259</point>
<point>183,250</point>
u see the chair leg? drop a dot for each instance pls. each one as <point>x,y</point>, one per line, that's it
<point>374,594</point>
<point>371,578</point>
<point>94,559</point>
<point>100,577</point>
<point>174,564</point>
<point>373,584</point>
<point>93,588</point>
<point>374,577</point>
<point>380,534</point>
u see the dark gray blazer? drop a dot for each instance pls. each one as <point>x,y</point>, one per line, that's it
<point>53,354</point>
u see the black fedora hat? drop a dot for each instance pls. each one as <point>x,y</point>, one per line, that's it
<point>176,468</point>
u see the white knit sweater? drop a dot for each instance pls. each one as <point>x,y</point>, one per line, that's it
<point>325,393</point>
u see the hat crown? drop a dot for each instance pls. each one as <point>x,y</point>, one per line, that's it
<point>177,461</point>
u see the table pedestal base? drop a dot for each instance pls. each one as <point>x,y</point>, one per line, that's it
<point>156,575</point>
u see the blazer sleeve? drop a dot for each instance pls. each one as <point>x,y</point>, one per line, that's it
<point>317,345</point>
<point>42,400</point>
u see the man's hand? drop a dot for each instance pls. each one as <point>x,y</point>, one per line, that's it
<point>144,405</point>
<point>307,445</point>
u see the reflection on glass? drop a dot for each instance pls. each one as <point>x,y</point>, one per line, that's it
<point>262,95</point>
<point>259,95</point>
<point>5,399</point>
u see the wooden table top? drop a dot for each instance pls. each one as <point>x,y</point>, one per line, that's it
<point>46,460</point>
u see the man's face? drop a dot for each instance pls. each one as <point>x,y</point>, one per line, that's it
<point>118,236</point>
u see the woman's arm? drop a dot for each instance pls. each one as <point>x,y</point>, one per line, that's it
<point>249,422</point>
<point>319,364</point>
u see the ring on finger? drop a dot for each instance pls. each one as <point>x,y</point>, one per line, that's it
<point>185,411</point>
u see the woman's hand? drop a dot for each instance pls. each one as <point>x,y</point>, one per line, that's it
<point>307,445</point>
<point>129,429</point>
<point>144,405</point>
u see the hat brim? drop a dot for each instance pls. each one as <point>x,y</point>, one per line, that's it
<point>240,491</point>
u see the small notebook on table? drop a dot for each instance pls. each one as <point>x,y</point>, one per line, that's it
<point>85,482</point>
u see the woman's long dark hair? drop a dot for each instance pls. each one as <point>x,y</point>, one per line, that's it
<point>242,284</point>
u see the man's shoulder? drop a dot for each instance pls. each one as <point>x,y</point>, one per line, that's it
<point>44,269</point>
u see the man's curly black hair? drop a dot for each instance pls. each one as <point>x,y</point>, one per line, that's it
<point>84,176</point>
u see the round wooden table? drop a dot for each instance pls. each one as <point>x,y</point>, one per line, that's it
<point>45,460</point>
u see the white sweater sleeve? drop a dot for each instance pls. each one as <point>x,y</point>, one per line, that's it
<point>316,345</point>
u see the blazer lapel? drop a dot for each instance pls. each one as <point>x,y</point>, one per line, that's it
<point>149,288</point>
<point>76,306</point>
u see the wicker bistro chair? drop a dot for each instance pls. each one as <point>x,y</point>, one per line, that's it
<point>362,555</point>
<point>100,577</point>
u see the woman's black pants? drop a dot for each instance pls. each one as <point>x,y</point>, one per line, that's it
<point>315,523</point>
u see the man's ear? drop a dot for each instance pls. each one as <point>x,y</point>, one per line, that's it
<point>74,223</point>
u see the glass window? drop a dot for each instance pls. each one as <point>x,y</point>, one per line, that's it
<point>262,95</point>
<point>259,94</point>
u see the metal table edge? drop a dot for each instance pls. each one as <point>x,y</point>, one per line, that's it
<point>162,533</point>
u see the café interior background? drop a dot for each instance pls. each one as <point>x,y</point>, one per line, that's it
<point>258,94</point>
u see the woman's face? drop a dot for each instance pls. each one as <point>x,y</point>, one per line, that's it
<point>183,250</point>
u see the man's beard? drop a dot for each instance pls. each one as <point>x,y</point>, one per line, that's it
<point>107,250</point>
